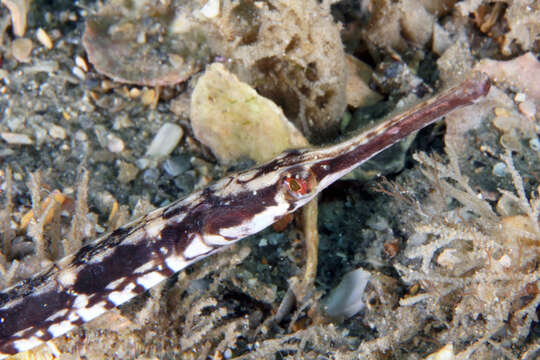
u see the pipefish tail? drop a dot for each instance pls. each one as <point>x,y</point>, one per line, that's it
<point>120,265</point>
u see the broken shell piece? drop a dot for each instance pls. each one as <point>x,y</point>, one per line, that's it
<point>80,62</point>
<point>234,121</point>
<point>166,139</point>
<point>129,46</point>
<point>44,38</point>
<point>18,10</point>
<point>345,300</point>
<point>17,139</point>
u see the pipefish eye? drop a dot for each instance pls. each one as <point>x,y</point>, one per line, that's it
<point>299,184</point>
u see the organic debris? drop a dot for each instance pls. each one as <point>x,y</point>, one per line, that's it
<point>477,262</point>
<point>290,52</point>
<point>520,28</point>
<point>521,73</point>
<point>18,10</point>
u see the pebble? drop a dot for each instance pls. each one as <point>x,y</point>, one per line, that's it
<point>15,123</point>
<point>16,139</point>
<point>80,62</point>
<point>40,134</point>
<point>57,132</point>
<point>78,72</point>
<point>150,176</point>
<point>121,122</point>
<point>44,38</point>
<point>114,143</point>
<point>42,66</point>
<point>377,223</point>
<point>535,144</point>
<point>211,9</point>
<point>134,93</point>
<point>81,136</point>
<point>165,141</point>
<point>148,96</point>
<point>177,165</point>
<point>4,152</point>
<point>185,182</point>
<point>126,171</point>
<point>22,48</point>
<point>520,97</point>
<point>499,169</point>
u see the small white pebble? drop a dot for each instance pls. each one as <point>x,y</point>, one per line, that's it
<point>505,261</point>
<point>134,93</point>
<point>444,353</point>
<point>143,163</point>
<point>166,139</point>
<point>535,144</point>
<point>141,37</point>
<point>44,38</point>
<point>499,169</point>
<point>17,139</point>
<point>78,72</point>
<point>57,132</point>
<point>40,134</point>
<point>211,9</point>
<point>80,62</point>
<point>114,143</point>
<point>520,97</point>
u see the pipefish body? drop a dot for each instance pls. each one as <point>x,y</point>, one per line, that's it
<point>120,265</point>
